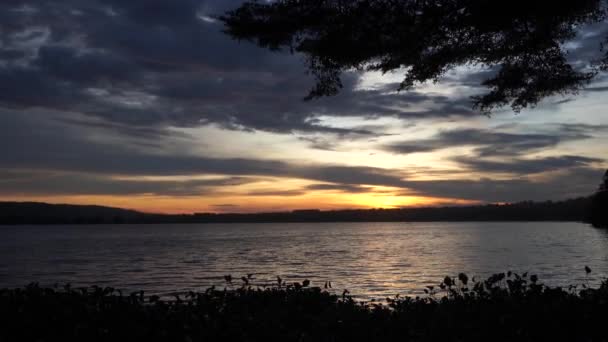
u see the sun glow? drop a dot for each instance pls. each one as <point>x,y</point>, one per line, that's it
<point>323,200</point>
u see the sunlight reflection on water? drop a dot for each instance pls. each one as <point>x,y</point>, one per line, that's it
<point>372,260</point>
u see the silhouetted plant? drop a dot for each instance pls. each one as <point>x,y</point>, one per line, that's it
<point>504,307</point>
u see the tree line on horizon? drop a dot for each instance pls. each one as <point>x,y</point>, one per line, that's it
<point>42,213</point>
<point>592,209</point>
<point>599,205</point>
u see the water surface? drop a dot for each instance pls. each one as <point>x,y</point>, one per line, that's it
<point>372,260</point>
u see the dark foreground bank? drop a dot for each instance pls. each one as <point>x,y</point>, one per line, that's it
<point>505,307</point>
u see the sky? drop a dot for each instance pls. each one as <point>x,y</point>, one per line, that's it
<point>146,104</point>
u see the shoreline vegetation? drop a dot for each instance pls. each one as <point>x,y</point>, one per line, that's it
<point>579,210</point>
<point>503,307</point>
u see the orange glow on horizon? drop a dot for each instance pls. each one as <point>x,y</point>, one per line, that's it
<point>247,204</point>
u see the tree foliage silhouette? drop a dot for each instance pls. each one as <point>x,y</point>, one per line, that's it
<point>599,206</point>
<point>604,185</point>
<point>521,40</point>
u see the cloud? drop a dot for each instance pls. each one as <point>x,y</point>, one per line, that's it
<point>56,183</point>
<point>71,161</point>
<point>493,142</point>
<point>92,89</point>
<point>526,166</point>
<point>156,64</point>
<point>60,146</point>
<point>569,183</point>
<point>596,89</point>
<point>348,188</point>
<point>277,193</point>
<point>320,143</point>
<point>85,68</point>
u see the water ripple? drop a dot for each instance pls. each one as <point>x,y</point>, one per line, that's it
<point>372,260</point>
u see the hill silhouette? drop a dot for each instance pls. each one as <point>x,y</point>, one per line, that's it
<point>45,213</point>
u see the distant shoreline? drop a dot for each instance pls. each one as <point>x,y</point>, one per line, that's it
<point>276,222</point>
<point>33,213</point>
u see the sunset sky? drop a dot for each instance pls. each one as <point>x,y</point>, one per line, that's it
<point>148,105</point>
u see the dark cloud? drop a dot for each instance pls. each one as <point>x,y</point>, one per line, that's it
<point>90,89</point>
<point>149,135</point>
<point>25,87</point>
<point>157,12</point>
<point>98,57</point>
<point>68,183</point>
<point>81,165</point>
<point>349,188</point>
<point>94,68</point>
<point>511,148</point>
<point>61,147</point>
<point>526,166</point>
<point>320,143</point>
<point>11,54</point>
<point>278,193</point>
<point>596,89</point>
<point>493,142</point>
<point>569,183</point>
<point>581,129</point>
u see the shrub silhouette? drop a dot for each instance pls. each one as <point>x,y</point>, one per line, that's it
<point>504,307</point>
